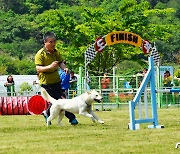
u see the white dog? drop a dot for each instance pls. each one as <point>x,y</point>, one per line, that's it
<point>80,104</point>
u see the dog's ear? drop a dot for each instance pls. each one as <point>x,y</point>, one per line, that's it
<point>88,92</point>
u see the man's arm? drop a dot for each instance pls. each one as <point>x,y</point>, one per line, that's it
<point>53,65</point>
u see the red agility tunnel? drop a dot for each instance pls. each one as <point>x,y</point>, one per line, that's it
<point>22,105</point>
<point>14,105</point>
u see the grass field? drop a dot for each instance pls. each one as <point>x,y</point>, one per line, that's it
<point>29,134</point>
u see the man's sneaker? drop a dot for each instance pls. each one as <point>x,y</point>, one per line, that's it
<point>74,122</point>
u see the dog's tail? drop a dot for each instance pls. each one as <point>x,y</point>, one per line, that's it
<point>46,96</point>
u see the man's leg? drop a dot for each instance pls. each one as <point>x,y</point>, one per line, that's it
<point>55,91</point>
<point>69,115</point>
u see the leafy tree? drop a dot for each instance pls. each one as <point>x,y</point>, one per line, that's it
<point>37,6</point>
<point>16,6</point>
<point>110,6</point>
<point>96,23</point>
<point>164,29</point>
<point>26,67</point>
<point>69,2</point>
<point>25,87</point>
<point>53,20</point>
<point>14,27</point>
<point>11,65</point>
<point>20,48</point>
<point>8,64</point>
<point>2,70</point>
<point>78,23</point>
<point>129,67</point>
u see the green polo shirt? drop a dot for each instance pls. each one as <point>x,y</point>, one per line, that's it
<point>44,58</point>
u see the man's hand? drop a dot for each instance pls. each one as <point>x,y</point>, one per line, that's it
<point>66,70</point>
<point>63,67</point>
<point>54,65</point>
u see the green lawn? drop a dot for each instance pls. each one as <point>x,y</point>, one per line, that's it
<point>29,134</point>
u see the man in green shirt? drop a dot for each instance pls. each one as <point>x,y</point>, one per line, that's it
<point>48,60</point>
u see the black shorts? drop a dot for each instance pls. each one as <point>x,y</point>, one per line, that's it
<point>54,90</point>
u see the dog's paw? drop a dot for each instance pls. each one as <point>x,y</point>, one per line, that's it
<point>60,124</point>
<point>101,121</point>
<point>48,123</point>
<point>94,120</point>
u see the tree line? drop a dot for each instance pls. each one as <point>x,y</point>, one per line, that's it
<point>78,23</point>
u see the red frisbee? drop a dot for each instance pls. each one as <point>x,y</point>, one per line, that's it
<point>36,105</point>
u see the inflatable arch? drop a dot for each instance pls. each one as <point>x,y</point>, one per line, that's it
<point>122,37</point>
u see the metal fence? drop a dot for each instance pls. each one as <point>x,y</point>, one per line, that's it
<point>121,90</point>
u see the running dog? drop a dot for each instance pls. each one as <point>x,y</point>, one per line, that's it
<point>81,104</point>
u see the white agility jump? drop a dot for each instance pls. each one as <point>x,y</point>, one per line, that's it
<point>149,77</point>
<point>167,90</point>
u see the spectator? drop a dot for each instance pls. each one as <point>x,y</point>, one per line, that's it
<point>105,82</point>
<point>132,82</point>
<point>36,85</point>
<point>167,79</point>
<point>167,83</point>
<point>48,60</point>
<point>73,81</point>
<point>73,84</point>
<point>10,86</point>
<point>144,71</point>
<point>35,82</point>
<point>65,78</point>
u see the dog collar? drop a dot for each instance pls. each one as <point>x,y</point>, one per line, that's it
<point>87,104</point>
